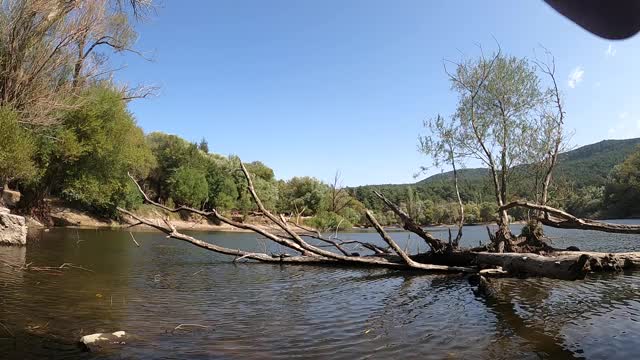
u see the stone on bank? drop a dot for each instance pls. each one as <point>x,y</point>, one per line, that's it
<point>13,228</point>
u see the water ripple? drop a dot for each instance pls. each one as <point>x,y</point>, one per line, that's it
<point>272,311</point>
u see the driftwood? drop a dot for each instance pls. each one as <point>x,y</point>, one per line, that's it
<point>605,261</point>
<point>566,268</point>
<point>441,258</point>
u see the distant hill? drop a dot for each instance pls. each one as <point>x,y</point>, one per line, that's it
<point>591,164</point>
<point>588,165</point>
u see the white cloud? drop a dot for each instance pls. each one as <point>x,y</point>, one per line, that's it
<point>611,51</point>
<point>623,115</point>
<point>575,77</point>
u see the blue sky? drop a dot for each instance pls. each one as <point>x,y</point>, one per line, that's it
<point>311,87</point>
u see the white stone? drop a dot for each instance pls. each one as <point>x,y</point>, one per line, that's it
<point>90,339</point>
<point>13,229</point>
<point>95,341</point>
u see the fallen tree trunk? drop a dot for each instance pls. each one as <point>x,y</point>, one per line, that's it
<point>599,261</point>
<point>570,266</point>
<point>441,258</point>
<point>565,268</point>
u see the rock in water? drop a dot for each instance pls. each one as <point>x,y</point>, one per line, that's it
<point>95,341</point>
<point>13,229</point>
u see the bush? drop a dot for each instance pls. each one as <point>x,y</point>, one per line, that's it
<point>99,143</point>
<point>16,149</point>
<point>189,187</point>
<point>488,212</point>
<point>533,229</point>
<point>326,221</point>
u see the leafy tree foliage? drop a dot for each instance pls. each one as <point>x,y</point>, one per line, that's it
<point>99,144</point>
<point>203,145</point>
<point>303,195</point>
<point>17,149</point>
<point>622,193</point>
<point>189,186</point>
<point>223,191</point>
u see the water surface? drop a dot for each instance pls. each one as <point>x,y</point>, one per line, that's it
<point>258,311</point>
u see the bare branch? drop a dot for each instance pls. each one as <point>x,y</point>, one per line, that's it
<point>410,225</point>
<point>411,263</point>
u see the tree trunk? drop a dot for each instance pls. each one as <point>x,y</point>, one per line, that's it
<point>566,268</point>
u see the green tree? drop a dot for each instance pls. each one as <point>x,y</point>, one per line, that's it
<point>172,153</point>
<point>488,212</point>
<point>189,186</point>
<point>302,195</point>
<point>204,145</point>
<point>622,192</point>
<point>99,144</point>
<point>16,149</point>
<point>223,191</point>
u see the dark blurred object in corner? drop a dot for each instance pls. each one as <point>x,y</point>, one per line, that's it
<point>610,19</point>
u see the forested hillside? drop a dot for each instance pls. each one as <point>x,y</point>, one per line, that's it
<point>582,176</point>
<point>584,166</point>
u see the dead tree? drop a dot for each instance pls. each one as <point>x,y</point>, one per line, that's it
<point>565,265</point>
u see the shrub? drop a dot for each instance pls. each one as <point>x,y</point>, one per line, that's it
<point>328,221</point>
<point>16,148</point>
<point>189,187</point>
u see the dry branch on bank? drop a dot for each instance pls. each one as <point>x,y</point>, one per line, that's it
<point>441,258</point>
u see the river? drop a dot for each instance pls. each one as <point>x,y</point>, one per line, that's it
<point>263,311</point>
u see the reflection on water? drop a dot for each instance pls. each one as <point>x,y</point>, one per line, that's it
<point>272,311</point>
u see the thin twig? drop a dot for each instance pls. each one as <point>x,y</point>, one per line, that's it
<point>134,239</point>
<point>179,327</point>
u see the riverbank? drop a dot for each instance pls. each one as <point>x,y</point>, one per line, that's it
<point>65,216</point>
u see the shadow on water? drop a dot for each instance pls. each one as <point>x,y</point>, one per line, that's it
<point>510,324</point>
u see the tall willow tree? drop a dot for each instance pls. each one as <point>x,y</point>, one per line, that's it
<point>53,59</point>
<point>501,120</point>
<point>48,47</point>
